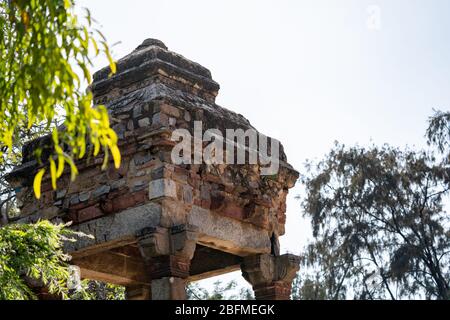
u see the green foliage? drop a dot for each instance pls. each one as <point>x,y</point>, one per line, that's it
<point>379,224</point>
<point>43,51</point>
<point>220,291</point>
<point>33,251</point>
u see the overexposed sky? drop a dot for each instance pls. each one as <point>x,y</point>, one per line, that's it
<point>307,72</point>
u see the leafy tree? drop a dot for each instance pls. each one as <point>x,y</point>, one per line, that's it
<point>308,288</point>
<point>45,55</point>
<point>379,222</point>
<point>43,49</point>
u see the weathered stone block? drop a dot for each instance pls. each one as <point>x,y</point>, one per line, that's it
<point>142,158</point>
<point>137,111</point>
<point>170,110</point>
<point>130,125</point>
<point>101,191</point>
<point>61,193</point>
<point>188,194</point>
<point>144,122</point>
<point>118,184</point>
<point>74,199</point>
<point>122,225</point>
<point>162,188</point>
<point>160,119</point>
<point>84,196</point>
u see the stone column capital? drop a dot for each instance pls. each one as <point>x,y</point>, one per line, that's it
<point>271,276</point>
<point>178,241</point>
<point>168,253</point>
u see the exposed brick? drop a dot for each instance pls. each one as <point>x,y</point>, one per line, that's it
<point>128,200</point>
<point>233,211</point>
<point>89,213</point>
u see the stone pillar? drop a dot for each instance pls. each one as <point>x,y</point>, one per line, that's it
<point>169,275</point>
<point>168,253</point>
<point>271,276</point>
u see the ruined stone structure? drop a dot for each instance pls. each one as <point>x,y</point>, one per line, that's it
<point>158,225</point>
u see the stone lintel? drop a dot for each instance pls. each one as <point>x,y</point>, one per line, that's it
<point>213,230</point>
<point>116,227</point>
<point>114,268</point>
<point>227,234</point>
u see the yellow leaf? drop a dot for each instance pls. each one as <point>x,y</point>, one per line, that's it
<point>116,155</point>
<point>60,166</point>
<point>96,147</point>
<point>73,168</point>
<point>55,136</point>
<point>94,43</point>
<point>82,148</point>
<point>67,4</point>
<point>31,119</point>
<point>87,74</point>
<point>105,160</point>
<point>37,183</point>
<point>112,135</point>
<point>112,63</point>
<point>25,18</point>
<point>7,138</point>
<point>53,172</point>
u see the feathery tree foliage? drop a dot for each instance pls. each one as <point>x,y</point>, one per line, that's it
<point>96,290</point>
<point>220,291</point>
<point>379,222</point>
<point>33,251</point>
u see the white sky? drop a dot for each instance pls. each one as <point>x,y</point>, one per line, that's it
<point>305,72</point>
